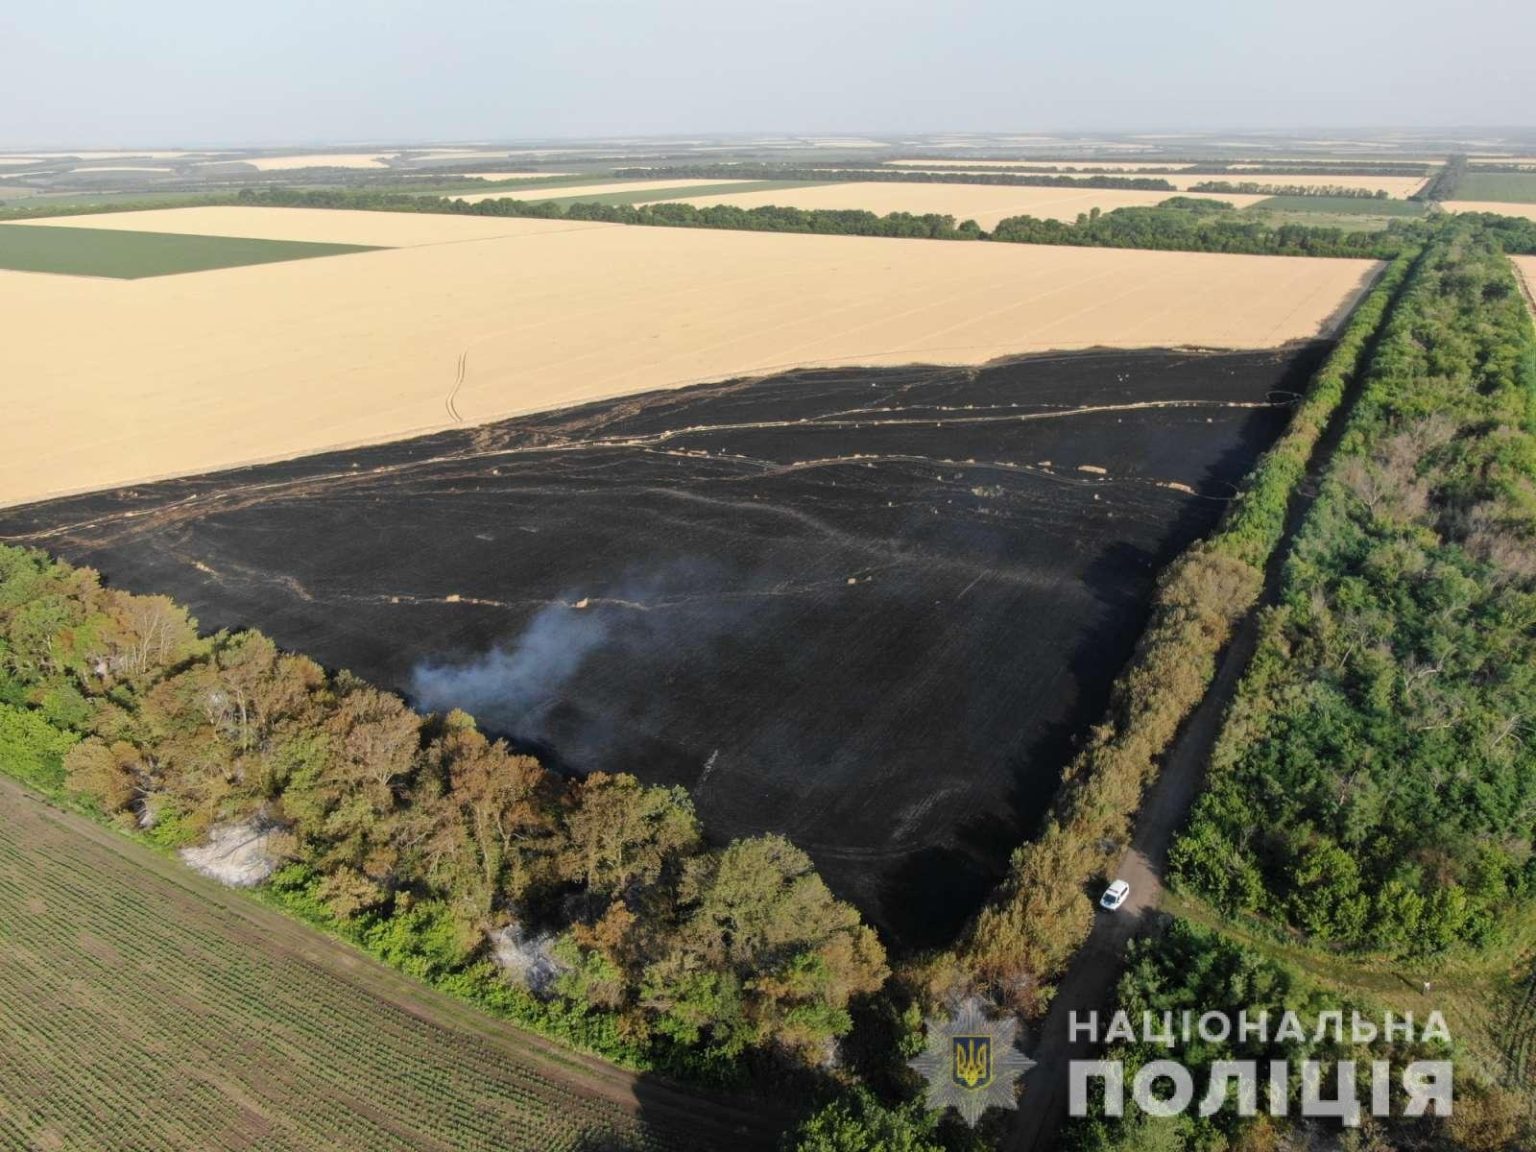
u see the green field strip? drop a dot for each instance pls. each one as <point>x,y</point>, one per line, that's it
<point>1508,187</point>
<point>1339,206</point>
<point>122,255</point>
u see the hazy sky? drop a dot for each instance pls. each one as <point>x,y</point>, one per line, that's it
<point>92,72</point>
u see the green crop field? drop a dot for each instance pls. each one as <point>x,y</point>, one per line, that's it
<point>135,255</point>
<point>146,1008</point>
<point>1509,187</point>
<point>1338,206</point>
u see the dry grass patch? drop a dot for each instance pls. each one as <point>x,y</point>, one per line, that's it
<point>984,203</point>
<point>113,383</point>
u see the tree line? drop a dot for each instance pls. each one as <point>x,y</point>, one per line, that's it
<point>1188,224</point>
<point>1180,224</point>
<point>1375,785</point>
<point>421,839</point>
<point>1257,188</point>
<point>1445,182</point>
<point>889,176</point>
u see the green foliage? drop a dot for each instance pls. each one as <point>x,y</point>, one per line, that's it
<point>32,750</point>
<point>1196,970</point>
<point>1375,784</point>
<point>1268,188</point>
<point>859,1122</point>
<point>1188,224</point>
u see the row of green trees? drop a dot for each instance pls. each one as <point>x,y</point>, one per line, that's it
<point>1375,785</point>
<point>1445,183</point>
<point>418,837</point>
<point>1180,224</point>
<point>1188,224</point>
<point>889,176</point>
<point>1266,188</point>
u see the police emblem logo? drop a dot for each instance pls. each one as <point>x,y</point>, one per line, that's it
<point>971,1063</point>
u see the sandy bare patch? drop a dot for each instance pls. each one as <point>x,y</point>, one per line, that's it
<point>239,855</point>
<point>317,225</point>
<point>111,382</point>
<point>984,203</point>
<point>316,160</point>
<point>526,957</point>
<point>568,190</point>
<point>1499,207</point>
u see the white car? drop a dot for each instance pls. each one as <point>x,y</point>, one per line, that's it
<point>1114,895</point>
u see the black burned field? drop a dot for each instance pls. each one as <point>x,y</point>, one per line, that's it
<point>868,609</point>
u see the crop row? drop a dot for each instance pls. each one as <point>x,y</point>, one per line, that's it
<point>138,1018</point>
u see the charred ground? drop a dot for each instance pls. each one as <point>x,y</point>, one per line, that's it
<point>868,609</point>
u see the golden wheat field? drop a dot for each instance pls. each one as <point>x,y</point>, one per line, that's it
<point>984,203</point>
<point>566,191</point>
<point>317,160</point>
<point>112,381</point>
<point>1498,207</point>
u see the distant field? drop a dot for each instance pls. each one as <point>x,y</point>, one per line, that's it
<point>1509,187</point>
<point>984,203</point>
<point>190,373</point>
<point>1065,166</point>
<point>1498,208</point>
<point>316,160</point>
<point>599,190</point>
<point>1339,206</point>
<point>512,175</point>
<point>124,255</point>
<point>652,194</point>
<point>1396,186</point>
<point>145,1009</point>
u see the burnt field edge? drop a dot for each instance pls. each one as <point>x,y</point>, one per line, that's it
<point>447,431</point>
